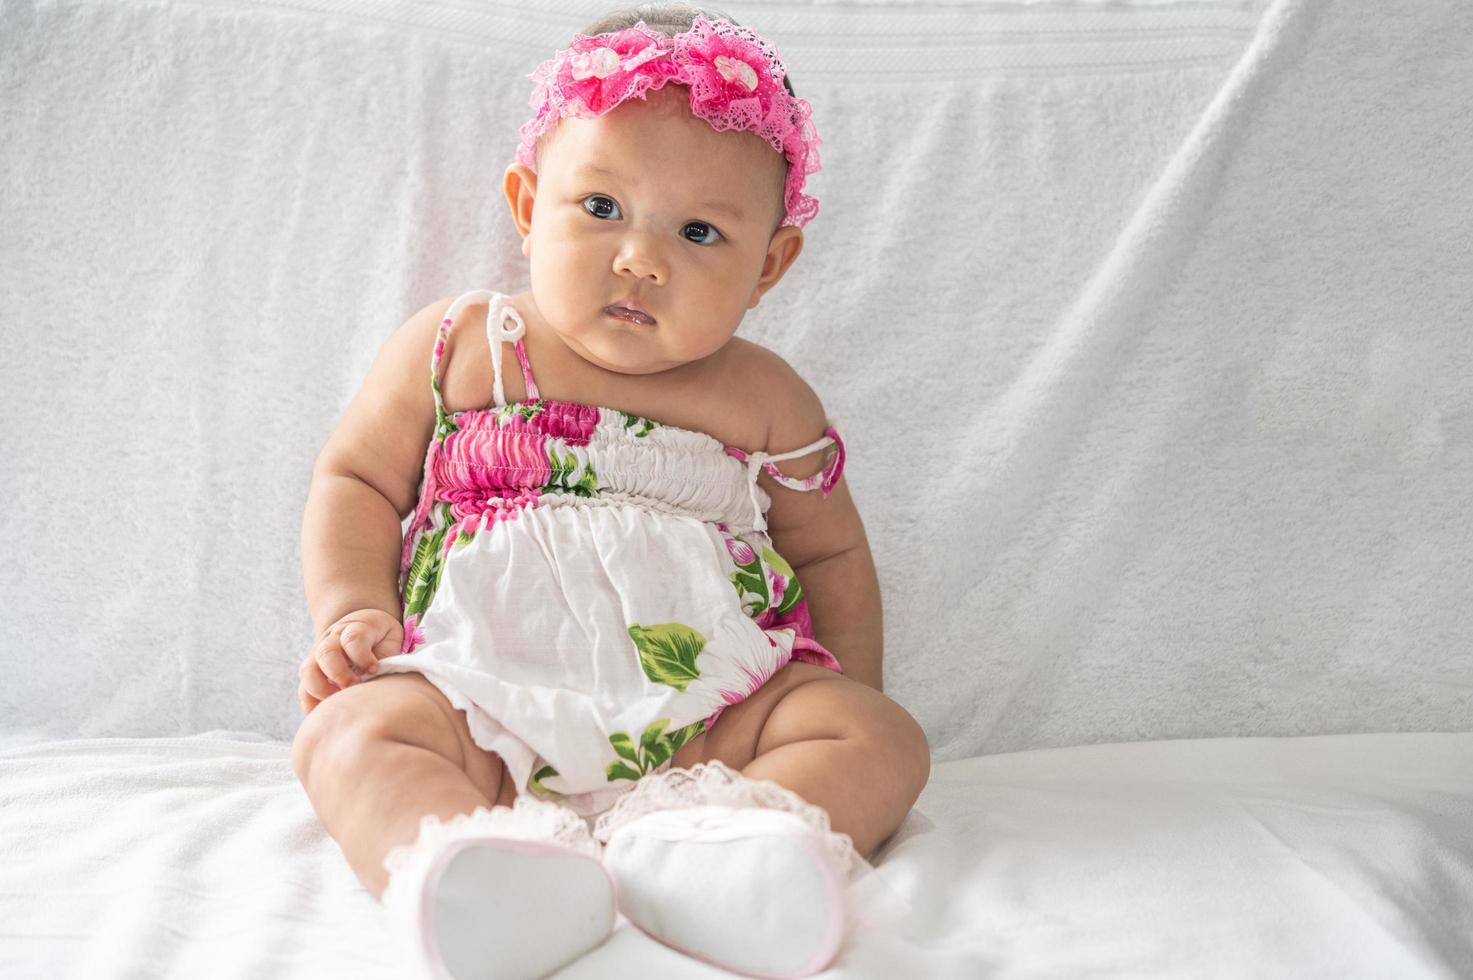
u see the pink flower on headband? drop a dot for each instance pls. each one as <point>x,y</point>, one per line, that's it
<point>736,82</point>
<point>595,74</point>
<point>734,75</point>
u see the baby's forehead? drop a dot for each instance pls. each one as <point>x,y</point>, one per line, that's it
<point>660,142</point>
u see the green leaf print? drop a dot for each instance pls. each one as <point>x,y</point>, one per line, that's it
<point>563,468</point>
<point>667,652</point>
<point>444,424</point>
<point>680,736</point>
<point>423,577</point>
<point>587,486</point>
<point>646,426</point>
<point>794,592</point>
<point>751,586</point>
<point>650,744</point>
<point>546,772</point>
<point>656,747</point>
<point>618,770</point>
<point>624,745</point>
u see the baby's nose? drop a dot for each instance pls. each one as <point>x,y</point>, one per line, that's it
<point>642,256</point>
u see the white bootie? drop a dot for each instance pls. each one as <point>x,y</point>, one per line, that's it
<point>740,873</point>
<point>509,893</point>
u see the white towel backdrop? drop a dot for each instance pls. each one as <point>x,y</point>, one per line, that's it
<point>1148,324</point>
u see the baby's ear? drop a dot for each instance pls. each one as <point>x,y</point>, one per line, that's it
<point>782,252</point>
<point>520,187</point>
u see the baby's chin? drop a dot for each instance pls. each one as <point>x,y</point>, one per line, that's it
<point>624,353</point>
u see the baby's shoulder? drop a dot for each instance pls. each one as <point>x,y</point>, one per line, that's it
<point>789,404</point>
<point>751,367</point>
<point>465,366</point>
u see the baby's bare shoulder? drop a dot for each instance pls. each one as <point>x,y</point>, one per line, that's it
<point>789,404</point>
<point>382,434</point>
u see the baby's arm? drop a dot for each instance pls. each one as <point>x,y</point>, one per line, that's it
<point>366,478</point>
<point>822,538</point>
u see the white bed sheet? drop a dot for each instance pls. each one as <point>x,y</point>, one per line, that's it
<point>1320,856</point>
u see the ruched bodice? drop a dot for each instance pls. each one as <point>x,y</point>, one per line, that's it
<point>485,464</point>
<point>570,453</point>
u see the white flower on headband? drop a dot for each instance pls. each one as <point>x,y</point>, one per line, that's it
<point>734,68</point>
<point>599,63</point>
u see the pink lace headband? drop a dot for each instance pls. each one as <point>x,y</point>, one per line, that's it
<point>735,79</point>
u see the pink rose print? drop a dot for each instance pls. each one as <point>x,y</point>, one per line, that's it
<point>484,456</point>
<point>740,551</point>
<point>835,468</point>
<point>796,618</point>
<point>754,675</point>
<point>777,582</point>
<point>413,635</point>
<point>569,421</point>
<point>485,510</point>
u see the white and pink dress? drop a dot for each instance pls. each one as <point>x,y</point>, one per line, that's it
<point>590,587</point>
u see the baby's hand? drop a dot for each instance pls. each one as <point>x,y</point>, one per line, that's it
<point>348,649</point>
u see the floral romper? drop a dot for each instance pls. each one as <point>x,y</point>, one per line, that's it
<point>590,587</point>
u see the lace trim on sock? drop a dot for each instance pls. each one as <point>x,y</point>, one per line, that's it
<point>527,819</point>
<point>716,783</point>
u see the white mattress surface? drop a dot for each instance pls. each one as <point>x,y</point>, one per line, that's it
<point>1340,856</point>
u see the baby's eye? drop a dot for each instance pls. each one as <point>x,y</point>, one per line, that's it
<point>702,240</point>
<point>599,213</point>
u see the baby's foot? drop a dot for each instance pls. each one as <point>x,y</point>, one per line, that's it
<point>499,894</point>
<point>740,873</point>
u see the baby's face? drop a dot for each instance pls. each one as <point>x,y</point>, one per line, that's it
<point>647,201</point>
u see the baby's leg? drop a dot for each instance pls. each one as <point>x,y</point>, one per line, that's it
<point>836,742</point>
<point>378,755</point>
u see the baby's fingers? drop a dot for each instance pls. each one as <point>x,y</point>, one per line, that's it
<point>330,658</point>
<point>313,683</point>
<point>357,642</point>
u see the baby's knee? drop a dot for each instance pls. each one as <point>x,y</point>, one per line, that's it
<point>347,726</point>
<point>325,725</point>
<point>899,744</point>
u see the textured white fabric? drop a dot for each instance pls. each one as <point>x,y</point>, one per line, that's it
<point>1147,321</point>
<point>1346,856</point>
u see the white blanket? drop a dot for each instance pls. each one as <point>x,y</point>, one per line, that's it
<point>1346,856</point>
<point>1147,323</point>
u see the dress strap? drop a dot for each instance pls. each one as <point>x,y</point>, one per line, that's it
<point>823,480</point>
<point>442,336</point>
<point>532,393</point>
<point>498,312</point>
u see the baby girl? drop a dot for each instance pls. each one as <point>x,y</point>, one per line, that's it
<point>614,632</point>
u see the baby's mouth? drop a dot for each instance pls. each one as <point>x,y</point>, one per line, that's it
<point>631,316</point>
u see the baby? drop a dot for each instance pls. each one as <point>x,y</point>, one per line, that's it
<point>614,632</point>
